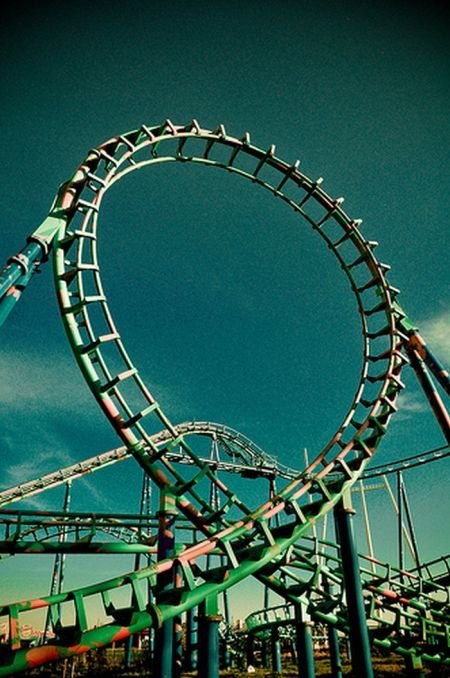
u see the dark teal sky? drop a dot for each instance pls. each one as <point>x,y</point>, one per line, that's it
<point>231,308</point>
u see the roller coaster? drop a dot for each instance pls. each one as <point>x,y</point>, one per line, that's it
<point>227,540</point>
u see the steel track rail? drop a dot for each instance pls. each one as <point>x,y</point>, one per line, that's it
<point>407,613</point>
<point>407,462</point>
<point>40,532</point>
<point>257,461</point>
<point>247,540</point>
<point>17,526</point>
<point>77,270</point>
<point>245,457</point>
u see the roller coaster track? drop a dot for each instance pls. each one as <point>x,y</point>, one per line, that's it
<point>131,534</point>
<point>244,457</point>
<point>245,537</point>
<point>437,570</point>
<point>407,462</point>
<point>41,531</point>
<point>27,531</point>
<point>406,613</point>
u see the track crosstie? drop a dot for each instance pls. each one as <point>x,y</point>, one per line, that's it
<point>245,537</point>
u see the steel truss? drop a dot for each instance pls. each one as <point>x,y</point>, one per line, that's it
<point>247,539</point>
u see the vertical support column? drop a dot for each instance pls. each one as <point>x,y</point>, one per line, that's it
<point>177,647</point>
<point>367,524</point>
<point>60,559</point>
<point>265,654</point>
<point>63,536</point>
<point>305,649</point>
<point>250,649</point>
<point>225,647</point>
<point>265,639</point>
<point>147,510</point>
<point>225,654</point>
<point>333,639</point>
<point>276,650</point>
<point>294,653</point>
<point>401,553</point>
<point>144,509</point>
<point>208,637</point>
<point>177,631</point>
<point>335,655</point>
<point>359,634</point>
<point>190,659</point>
<point>128,651</point>
<point>412,531</point>
<point>163,659</point>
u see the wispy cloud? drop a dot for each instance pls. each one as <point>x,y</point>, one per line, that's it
<point>53,384</point>
<point>39,395</point>
<point>37,452</point>
<point>409,405</point>
<point>410,402</point>
<point>31,450</point>
<point>436,332</point>
<point>49,420</point>
<point>40,381</point>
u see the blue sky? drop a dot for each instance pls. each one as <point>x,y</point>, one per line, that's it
<point>230,307</point>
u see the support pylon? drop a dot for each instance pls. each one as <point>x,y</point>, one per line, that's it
<point>164,636</point>
<point>305,649</point>
<point>208,628</point>
<point>359,634</point>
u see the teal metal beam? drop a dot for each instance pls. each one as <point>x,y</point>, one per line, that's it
<point>333,639</point>
<point>208,629</point>
<point>305,649</point>
<point>191,655</point>
<point>276,651</point>
<point>164,636</point>
<point>20,268</point>
<point>359,634</point>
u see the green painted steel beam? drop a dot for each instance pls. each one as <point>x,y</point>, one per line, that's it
<point>249,543</point>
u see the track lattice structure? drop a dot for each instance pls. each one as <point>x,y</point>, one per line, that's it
<point>246,538</point>
<point>407,613</point>
<point>242,455</point>
<point>28,531</point>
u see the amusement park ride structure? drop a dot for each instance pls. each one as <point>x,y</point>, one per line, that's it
<point>228,540</point>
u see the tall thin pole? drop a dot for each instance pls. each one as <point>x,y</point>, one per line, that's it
<point>411,526</point>
<point>367,524</point>
<point>208,626</point>
<point>144,510</point>
<point>314,527</point>
<point>401,555</point>
<point>191,656</point>
<point>333,640</point>
<point>406,536</point>
<point>60,559</point>
<point>275,650</point>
